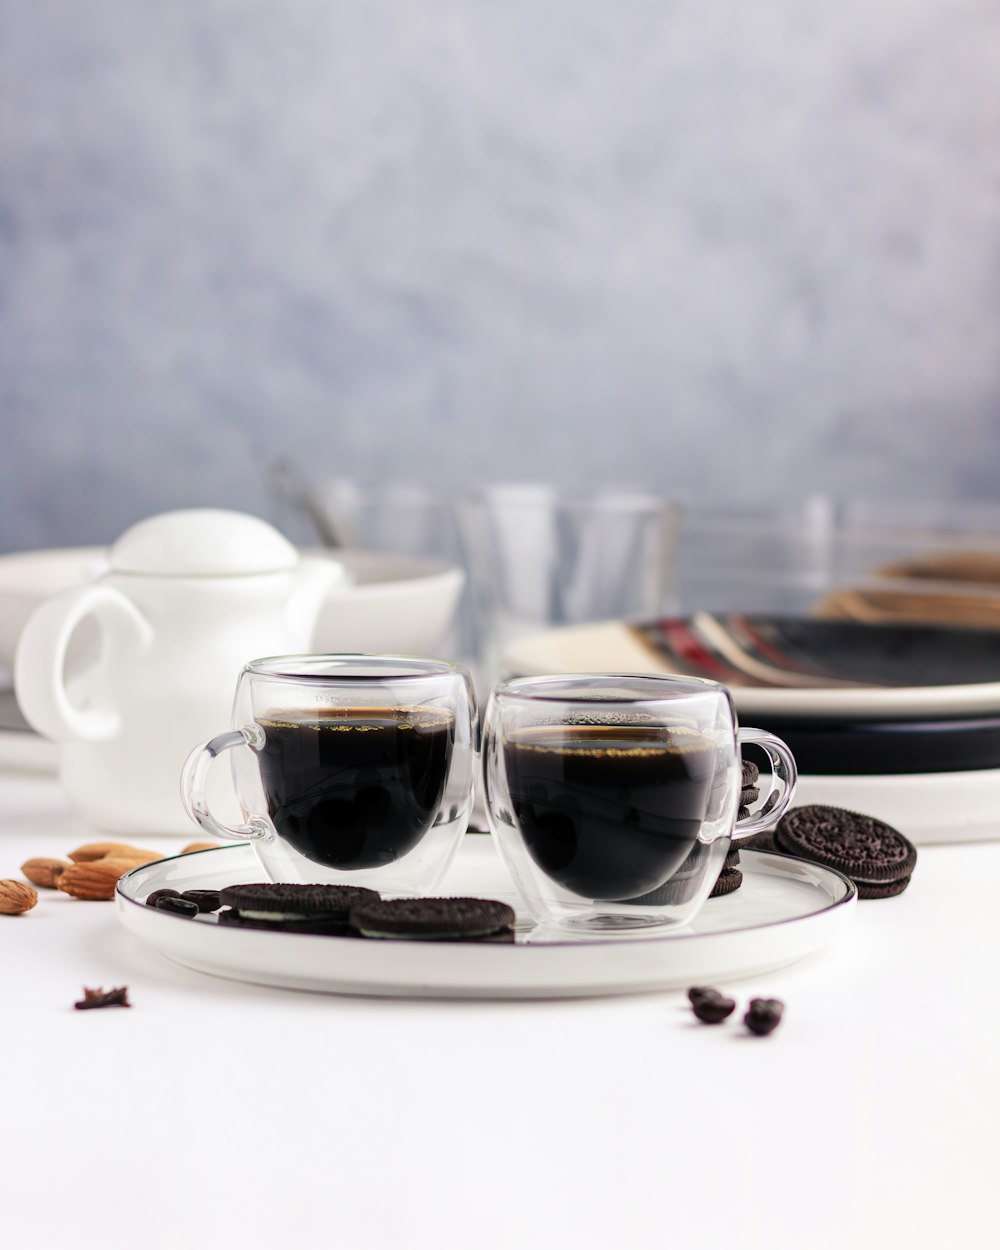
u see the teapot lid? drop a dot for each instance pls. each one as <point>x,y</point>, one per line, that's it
<point>202,542</point>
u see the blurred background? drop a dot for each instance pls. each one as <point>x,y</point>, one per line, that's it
<point>728,252</point>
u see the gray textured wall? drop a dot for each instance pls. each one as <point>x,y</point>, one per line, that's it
<point>704,246</point>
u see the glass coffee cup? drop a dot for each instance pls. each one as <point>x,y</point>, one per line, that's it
<point>613,799</point>
<point>349,769</point>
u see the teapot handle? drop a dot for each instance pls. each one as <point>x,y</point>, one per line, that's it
<point>40,660</point>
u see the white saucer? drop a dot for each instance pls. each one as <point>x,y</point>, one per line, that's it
<point>785,909</point>
<point>21,749</point>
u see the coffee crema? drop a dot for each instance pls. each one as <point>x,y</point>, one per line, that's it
<point>609,811</point>
<point>354,788</point>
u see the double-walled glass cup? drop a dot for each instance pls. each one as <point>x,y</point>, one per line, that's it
<point>350,769</point>
<point>613,799</point>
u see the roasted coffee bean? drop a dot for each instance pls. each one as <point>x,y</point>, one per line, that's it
<point>207,900</point>
<point>177,906</point>
<point>713,1007</point>
<point>155,897</point>
<point>764,1015</point>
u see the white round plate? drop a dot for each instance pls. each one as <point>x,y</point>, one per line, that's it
<point>929,808</point>
<point>21,749</point>
<point>788,667</point>
<point>785,909</point>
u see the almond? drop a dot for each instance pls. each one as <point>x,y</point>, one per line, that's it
<point>93,851</point>
<point>199,846</point>
<point>94,880</point>
<point>134,859</point>
<point>43,872</point>
<point>16,898</point>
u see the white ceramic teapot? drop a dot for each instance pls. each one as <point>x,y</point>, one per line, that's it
<point>188,598</point>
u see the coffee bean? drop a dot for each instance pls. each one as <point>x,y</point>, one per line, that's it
<point>764,1015</point>
<point>711,1007</point>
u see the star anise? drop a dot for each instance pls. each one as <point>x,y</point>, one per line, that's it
<point>99,998</point>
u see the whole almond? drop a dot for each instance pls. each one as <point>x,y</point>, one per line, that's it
<point>93,881</point>
<point>199,846</point>
<point>16,898</point>
<point>44,872</point>
<point>93,851</point>
<point>134,859</point>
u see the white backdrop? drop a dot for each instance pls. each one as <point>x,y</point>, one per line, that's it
<point>705,247</point>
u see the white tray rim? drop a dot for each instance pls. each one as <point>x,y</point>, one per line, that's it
<point>559,968</point>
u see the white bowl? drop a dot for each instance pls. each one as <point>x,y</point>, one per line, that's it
<point>392,603</point>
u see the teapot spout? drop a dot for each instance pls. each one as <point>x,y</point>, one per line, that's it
<point>315,578</point>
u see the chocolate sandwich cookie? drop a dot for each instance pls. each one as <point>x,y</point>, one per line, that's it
<point>314,926</point>
<point>876,857</point>
<point>206,900</point>
<point>730,879</point>
<point>433,919</point>
<point>176,906</point>
<point>749,794</point>
<point>763,841</point>
<point>682,886</point>
<point>293,908</point>
<point>154,898</point>
<point>888,890</point>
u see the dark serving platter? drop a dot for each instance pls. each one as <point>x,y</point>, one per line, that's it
<point>790,668</point>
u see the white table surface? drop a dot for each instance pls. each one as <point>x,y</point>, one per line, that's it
<point>217,1113</point>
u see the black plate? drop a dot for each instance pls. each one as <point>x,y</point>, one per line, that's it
<point>798,668</point>
<point>871,748</point>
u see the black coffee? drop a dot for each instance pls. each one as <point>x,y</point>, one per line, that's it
<point>355,787</point>
<point>609,811</point>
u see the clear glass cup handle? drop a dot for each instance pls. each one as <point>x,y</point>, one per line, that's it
<point>194,776</point>
<point>783,778</point>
